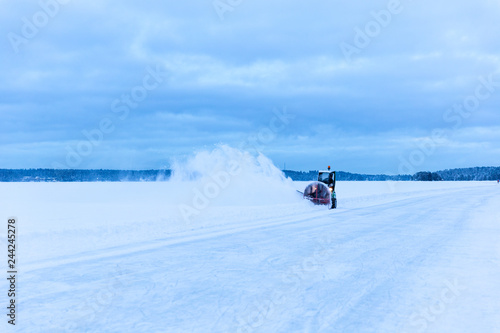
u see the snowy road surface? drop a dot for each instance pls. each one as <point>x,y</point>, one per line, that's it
<point>119,257</point>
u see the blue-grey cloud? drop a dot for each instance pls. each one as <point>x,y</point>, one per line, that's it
<point>221,79</point>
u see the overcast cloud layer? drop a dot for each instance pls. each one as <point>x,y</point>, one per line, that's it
<point>378,87</point>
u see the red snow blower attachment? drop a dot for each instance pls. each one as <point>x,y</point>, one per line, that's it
<point>317,193</point>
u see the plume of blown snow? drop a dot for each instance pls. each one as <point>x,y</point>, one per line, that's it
<point>229,176</point>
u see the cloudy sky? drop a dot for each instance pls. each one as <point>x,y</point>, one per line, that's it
<point>374,87</point>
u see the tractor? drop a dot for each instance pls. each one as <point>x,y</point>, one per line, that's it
<point>322,192</point>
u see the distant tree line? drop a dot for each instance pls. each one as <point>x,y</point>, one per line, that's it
<point>57,175</point>
<point>464,174</point>
<point>69,175</point>
<point>478,173</point>
<point>341,175</point>
<point>426,176</point>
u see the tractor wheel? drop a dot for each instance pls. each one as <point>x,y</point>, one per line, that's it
<point>334,204</point>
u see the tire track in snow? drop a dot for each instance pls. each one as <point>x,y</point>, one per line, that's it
<point>359,229</point>
<point>203,234</point>
<point>357,242</point>
<point>416,253</point>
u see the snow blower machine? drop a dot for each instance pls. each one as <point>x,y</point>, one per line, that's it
<point>322,192</point>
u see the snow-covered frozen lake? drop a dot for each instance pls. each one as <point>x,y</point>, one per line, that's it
<point>126,257</point>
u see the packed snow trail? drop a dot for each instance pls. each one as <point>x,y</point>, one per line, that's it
<point>427,262</point>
